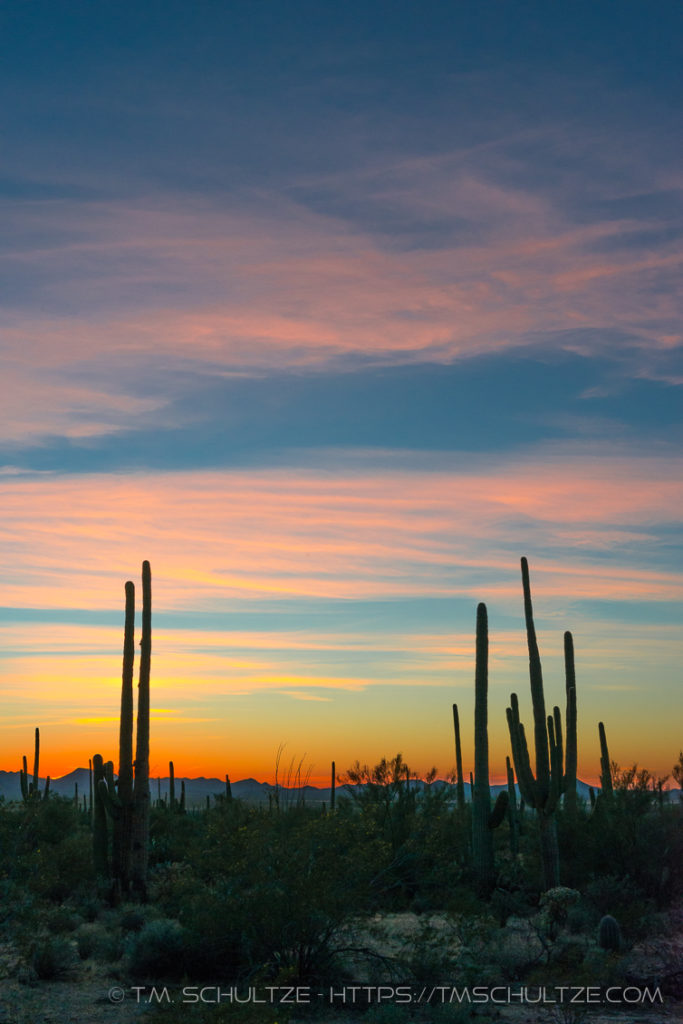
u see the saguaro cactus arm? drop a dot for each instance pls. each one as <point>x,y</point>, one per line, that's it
<point>520,753</point>
<point>556,760</point>
<point>512,809</point>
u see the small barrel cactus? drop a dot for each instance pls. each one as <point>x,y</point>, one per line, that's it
<point>609,936</point>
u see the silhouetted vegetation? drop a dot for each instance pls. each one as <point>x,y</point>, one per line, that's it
<point>287,893</point>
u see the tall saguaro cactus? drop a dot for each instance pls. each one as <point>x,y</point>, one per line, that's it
<point>543,791</point>
<point>571,750</point>
<point>483,819</point>
<point>141,795</point>
<point>482,840</point>
<point>459,779</point>
<point>122,819</point>
<point>128,803</point>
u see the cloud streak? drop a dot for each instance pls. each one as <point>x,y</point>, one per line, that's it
<point>221,536</point>
<point>279,286</point>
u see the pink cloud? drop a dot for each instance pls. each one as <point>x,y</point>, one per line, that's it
<point>251,534</point>
<point>279,286</point>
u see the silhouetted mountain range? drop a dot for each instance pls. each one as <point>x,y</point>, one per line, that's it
<point>249,790</point>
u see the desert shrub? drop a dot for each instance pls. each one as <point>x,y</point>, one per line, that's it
<point>582,918</point>
<point>62,919</point>
<point>634,835</point>
<point>57,871</point>
<point>277,901</point>
<point>74,862</point>
<point>432,868</point>
<point>48,851</point>
<point>48,822</point>
<point>17,905</point>
<point>625,900</point>
<point>171,885</point>
<point>518,948</point>
<point>215,930</point>
<point>95,940</point>
<point>515,895</point>
<point>416,820</point>
<point>157,950</point>
<point>87,938</point>
<point>132,919</point>
<point>53,958</point>
<point>88,904</point>
<point>431,953</point>
<point>174,836</point>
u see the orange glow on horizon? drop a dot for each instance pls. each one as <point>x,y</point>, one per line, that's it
<point>221,542</point>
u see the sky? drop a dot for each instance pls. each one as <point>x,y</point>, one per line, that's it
<point>333,312</point>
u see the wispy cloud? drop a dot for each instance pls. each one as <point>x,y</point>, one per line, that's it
<point>277,284</point>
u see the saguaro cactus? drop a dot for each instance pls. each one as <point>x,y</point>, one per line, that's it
<point>483,819</point>
<point>571,749</point>
<point>141,796</point>
<point>542,792</point>
<point>459,778</point>
<point>30,790</point>
<point>482,840</point>
<point>123,819</point>
<point>605,764</point>
<point>512,809</point>
<point>129,806</point>
<point>99,821</point>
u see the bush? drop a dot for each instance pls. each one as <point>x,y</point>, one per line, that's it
<point>96,941</point>
<point>63,919</point>
<point>87,938</point>
<point>53,959</point>
<point>157,950</point>
<point>132,919</point>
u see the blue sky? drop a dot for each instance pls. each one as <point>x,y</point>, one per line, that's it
<point>334,311</point>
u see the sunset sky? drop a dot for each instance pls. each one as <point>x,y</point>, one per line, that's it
<point>332,311</point>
